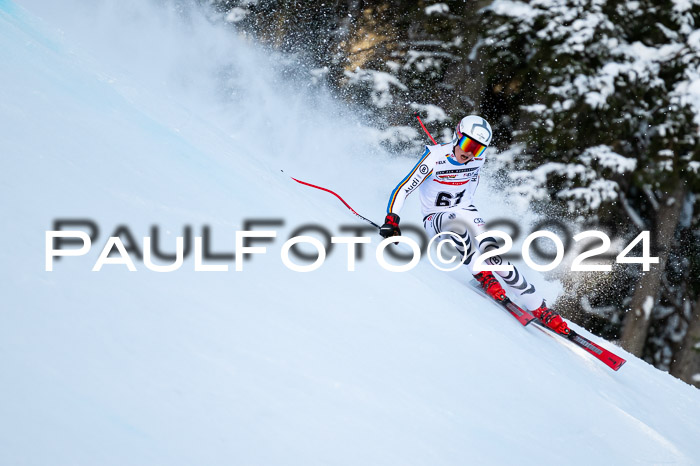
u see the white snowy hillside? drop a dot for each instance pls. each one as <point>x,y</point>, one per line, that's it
<point>136,116</point>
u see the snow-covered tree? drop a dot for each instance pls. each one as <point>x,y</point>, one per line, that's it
<point>403,58</point>
<point>604,100</point>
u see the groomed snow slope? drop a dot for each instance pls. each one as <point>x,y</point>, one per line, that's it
<point>135,115</point>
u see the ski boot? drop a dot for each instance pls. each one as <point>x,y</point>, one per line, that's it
<point>551,319</point>
<point>490,285</point>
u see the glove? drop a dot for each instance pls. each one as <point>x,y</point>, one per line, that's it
<point>391,226</point>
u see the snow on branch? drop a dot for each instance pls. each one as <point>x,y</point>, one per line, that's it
<point>585,187</point>
<point>593,196</point>
<point>606,158</point>
<point>437,9</point>
<point>567,170</point>
<point>396,136</point>
<point>432,112</point>
<point>380,83</point>
<point>426,60</point>
<point>520,10</point>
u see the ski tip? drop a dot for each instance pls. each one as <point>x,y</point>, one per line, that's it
<point>616,364</point>
<point>608,358</point>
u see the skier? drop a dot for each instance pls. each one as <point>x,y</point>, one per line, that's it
<point>446,177</point>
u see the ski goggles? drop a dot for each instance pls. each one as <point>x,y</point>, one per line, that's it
<point>468,144</point>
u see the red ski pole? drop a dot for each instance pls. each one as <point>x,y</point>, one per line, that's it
<point>341,200</point>
<point>424,128</point>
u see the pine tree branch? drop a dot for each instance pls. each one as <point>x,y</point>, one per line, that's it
<point>633,215</point>
<point>652,198</point>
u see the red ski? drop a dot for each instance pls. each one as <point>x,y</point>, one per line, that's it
<point>608,358</point>
<point>523,316</point>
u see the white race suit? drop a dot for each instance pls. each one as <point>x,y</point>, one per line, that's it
<point>446,188</point>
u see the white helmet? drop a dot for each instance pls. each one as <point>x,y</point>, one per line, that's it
<point>474,127</point>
